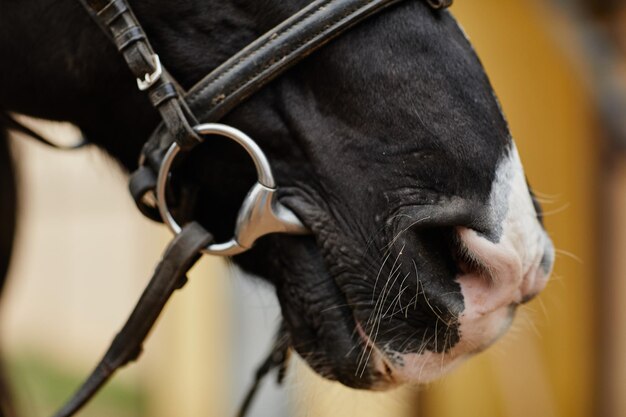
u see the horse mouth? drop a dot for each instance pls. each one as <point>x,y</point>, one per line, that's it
<point>332,333</point>
<point>334,324</point>
<point>321,320</point>
<point>338,318</point>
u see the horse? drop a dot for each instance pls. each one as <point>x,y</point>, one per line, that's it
<point>388,143</point>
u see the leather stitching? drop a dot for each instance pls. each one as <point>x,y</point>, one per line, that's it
<point>274,60</point>
<point>255,51</point>
<point>217,100</point>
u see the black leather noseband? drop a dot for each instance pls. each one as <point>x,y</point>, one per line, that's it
<point>208,101</point>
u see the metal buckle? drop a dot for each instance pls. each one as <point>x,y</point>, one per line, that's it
<point>149,79</point>
<point>260,214</point>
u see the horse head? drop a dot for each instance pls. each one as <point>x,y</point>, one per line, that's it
<point>388,144</point>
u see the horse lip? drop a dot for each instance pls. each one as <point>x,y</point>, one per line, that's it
<point>377,364</point>
<point>381,363</point>
<point>329,324</point>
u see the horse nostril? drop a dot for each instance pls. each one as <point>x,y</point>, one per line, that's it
<point>465,261</point>
<point>536,280</point>
<point>528,297</point>
<point>547,261</point>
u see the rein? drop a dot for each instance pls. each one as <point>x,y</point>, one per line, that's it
<point>180,131</point>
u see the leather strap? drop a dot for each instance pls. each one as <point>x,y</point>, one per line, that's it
<point>121,25</point>
<point>142,183</point>
<point>273,53</point>
<point>181,254</point>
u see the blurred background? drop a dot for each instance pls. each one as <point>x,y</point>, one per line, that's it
<point>84,254</point>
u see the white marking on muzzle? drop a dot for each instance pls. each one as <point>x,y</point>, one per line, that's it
<point>513,263</point>
<point>513,270</point>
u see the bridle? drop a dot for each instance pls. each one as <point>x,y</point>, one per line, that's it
<point>181,131</point>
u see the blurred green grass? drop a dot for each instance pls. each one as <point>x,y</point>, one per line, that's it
<point>40,386</point>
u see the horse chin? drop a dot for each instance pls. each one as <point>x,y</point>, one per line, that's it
<point>319,319</point>
<point>477,336</point>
